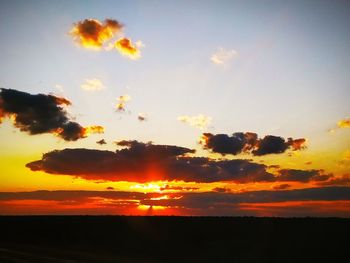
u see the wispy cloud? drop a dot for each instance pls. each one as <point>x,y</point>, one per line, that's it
<point>200,121</point>
<point>92,85</point>
<point>223,56</point>
<point>59,87</point>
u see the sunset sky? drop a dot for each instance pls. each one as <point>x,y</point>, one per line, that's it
<point>175,107</point>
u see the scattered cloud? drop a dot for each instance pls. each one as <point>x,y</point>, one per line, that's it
<point>94,34</point>
<point>200,121</point>
<point>342,124</point>
<point>122,100</point>
<point>38,114</point>
<point>142,116</point>
<point>127,48</point>
<point>101,142</point>
<point>92,85</point>
<point>345,123</point>
<point>249,142</point>
<point>101,35</point>
<point>223,56</point>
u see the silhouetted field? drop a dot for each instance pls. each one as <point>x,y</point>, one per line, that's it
<point>172,239</point>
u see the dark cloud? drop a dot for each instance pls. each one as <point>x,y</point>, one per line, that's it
<point>142,162</point>
<point>339,180</point>
<point>177,188</point>
<point>221,190</point>
<point>69,195</point>
<point>282,186</point>
<point>218,199</point>
<point>142,117</point>
<point>37,114</point>
<point>110,188</point>
<point>249,142</point>
<point>303,176</point>
<point>191,199</point>
<point>204,203</point>
<point>101,142</point>
<point>139,162</point>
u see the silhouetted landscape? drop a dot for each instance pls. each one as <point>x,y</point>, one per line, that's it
<point>172,239</point>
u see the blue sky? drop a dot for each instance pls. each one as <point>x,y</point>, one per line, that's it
<point>290,76</point>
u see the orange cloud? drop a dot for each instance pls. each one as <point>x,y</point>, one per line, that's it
<point>297,144</point>
<point>120,106</point>
<point>344,123</point>
<point>86,131</point>
<point>93,34</point>
<point>127,48</point>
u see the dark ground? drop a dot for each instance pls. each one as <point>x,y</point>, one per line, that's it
<point>173,239</point>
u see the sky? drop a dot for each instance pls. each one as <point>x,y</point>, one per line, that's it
<point>175,108</point>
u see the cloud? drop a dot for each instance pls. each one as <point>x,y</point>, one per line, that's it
<point>138,162</point>
<point>177,188</point>
<point>142,116</point>
<point>101,35</point>
<point>92,85</point>
<point>249,142</point>
<point>59,88</point>
<point>222,199</point>
<point>203,203</point>
<point>221,190</point>
<point>127,48</point>
<point>38,114</point>
<point>144,162</point>
<point>101,142</point>
<point>281,186</point>
<point>200,121</point>
<point>223,56</point>
<point>93,34</point>
<point>339,180</point>
<point>344,123</point>
<point>122,100</point>
<point>303,175</point>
